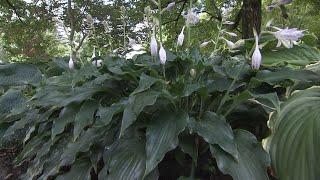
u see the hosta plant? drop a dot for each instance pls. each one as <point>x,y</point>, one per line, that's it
<point>192,117</point>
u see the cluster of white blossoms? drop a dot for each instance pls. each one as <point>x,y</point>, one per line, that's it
<point>288,37</point>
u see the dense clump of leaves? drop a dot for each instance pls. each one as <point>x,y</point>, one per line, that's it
<point>128,119</point>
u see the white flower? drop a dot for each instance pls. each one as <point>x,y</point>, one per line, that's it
<point>170,6</point>
<point>191,18</point>
<point>230,44</point>
<point>204,44</point>
<point>181,37</point>
<point>97,63</point>
<point>236,45</point>
<point>153,46</point>
<point>162,55</point>
<point>71,64</point>
<point>288,37</point>
<point>256,56</point>
<point>231,34</point>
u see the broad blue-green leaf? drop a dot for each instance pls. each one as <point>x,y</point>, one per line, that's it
<point>287,74</point>
<point>11,99</point>
<point>22,123</point>
<point>106,114</point>
<point>145,83</point>
<point>162,136</point>
<point>298,55</point>
<point>67,115</point>
<point>252,160</point>
<point>30,148</point>
<point>215,130</point>
<point>19,74</point>
<point>84,117</point>
<point>80,170</point>
<point>125,160</point>
<point>295,139</point>
<point>135,105</point>
<point>82,144</point>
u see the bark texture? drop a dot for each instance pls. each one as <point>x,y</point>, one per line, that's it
<point>251,17</point>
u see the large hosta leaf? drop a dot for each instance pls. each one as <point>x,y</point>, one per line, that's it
<point>11,99</point>
<point>135,105</point>
<point>252,161</point>
<point>84,117</point>
<point>80,170</point>
<point>19,74</point>
<point>295,142</point>
<point>125,160</point>
<point>66,116</point>
<point>145,83</point>
<point>215,130</point>
<point>162,136</point>
<point>287,74</point>
<point>298,55</point>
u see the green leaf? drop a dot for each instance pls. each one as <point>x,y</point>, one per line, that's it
<point>298,55</point>
<point>67,115</point>
<point>190,88</point>
<point>125,160</point>
<point>252,160</point>
<point>82,144</point>
<point>19,74</point>
<point>10,100</point>
<point>270,100</point>
<point>287,74</point>
<point>215,130</point>
<point>188,145</point>
<point>162,136</point>
<point>295,140</point>
<point>106,114</point>
<point>145,83</point>
<point>135,106</point>
<point>84,117</point>
<point>80,170</point>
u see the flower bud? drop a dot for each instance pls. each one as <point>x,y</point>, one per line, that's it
<point>71,64</point>
<point>153,45</point>
<point>162,55</point>
<point>193,73</point>
<point>204,44</point>
<point>256,56</point>
<point>181,37</point>
<point>170,6</point>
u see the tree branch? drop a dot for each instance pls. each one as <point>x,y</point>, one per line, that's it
<point>15,11</point>
<point>179,15</point>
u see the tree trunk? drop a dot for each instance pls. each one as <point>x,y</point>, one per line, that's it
<point>251,17</point>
